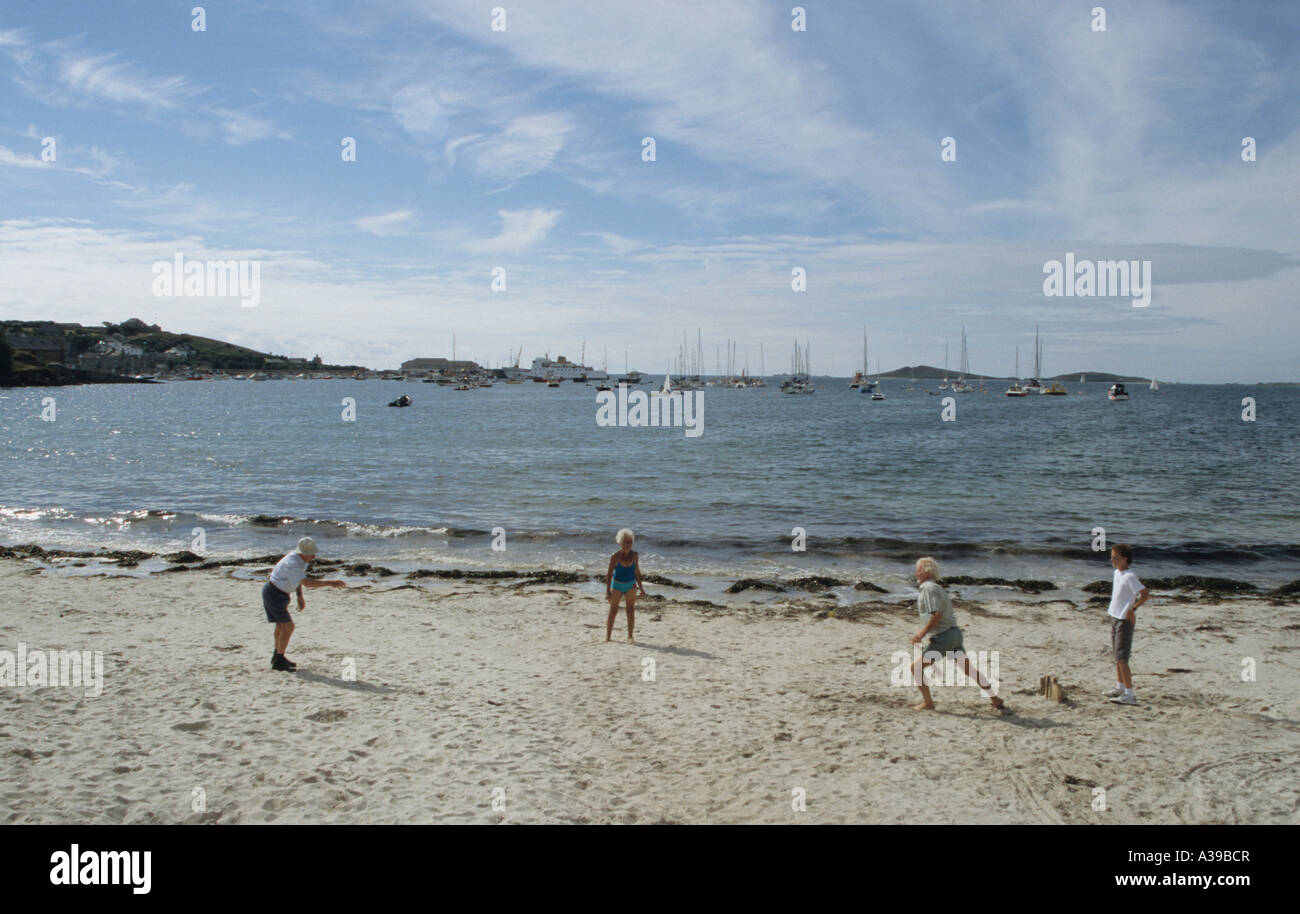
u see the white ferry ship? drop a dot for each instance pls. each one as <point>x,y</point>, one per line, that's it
<point>561,369</point>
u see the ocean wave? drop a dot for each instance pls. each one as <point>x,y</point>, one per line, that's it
<point>720,546</point>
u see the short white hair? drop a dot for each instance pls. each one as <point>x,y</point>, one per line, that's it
<point>929,566</point>
<point>625,534</point>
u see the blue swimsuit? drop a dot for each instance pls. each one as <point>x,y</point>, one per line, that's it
<point>624,576</point>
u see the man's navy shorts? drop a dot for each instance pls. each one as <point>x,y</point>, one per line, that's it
<point>276,603</point>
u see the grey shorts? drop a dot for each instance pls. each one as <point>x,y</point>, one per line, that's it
<point>276,603</point>
<point>1121,639</point>
<point>946,642</point>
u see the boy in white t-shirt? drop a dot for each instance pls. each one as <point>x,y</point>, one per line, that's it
<point>1126,595</point>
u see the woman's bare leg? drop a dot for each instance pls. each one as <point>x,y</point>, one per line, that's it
<point>613,612</point>
<point>631,614</point>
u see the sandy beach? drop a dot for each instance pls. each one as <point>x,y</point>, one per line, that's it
<point>494,703</point>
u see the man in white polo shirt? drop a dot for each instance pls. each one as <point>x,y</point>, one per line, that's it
<point>289,576</point>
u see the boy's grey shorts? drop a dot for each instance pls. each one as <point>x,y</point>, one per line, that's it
<point>1121,639</point>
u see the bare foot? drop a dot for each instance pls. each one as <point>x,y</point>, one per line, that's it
<point>923,707</point>
<point>629,640</point>
<point>997,702</point>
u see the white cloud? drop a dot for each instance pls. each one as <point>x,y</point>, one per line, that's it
<point>387,223</point>
<point>104,77</point>
<point>9,157</point>
<point>520,230</point>
<point>242,127</point>
<point>617,243</point>
<point>524,147</point>
<point>418,110</point>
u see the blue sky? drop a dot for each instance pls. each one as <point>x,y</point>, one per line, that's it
<point>775,149</point>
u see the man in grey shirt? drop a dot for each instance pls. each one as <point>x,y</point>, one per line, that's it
<point>934,605</point>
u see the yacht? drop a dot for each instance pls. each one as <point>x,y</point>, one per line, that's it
<point>800,381</point>
<point>1015,390</point>
<point>1035,386</point>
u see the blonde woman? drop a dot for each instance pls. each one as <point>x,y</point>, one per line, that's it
<point>622,579</point>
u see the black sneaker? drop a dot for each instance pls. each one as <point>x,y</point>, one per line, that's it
<point>279,663</point>
<point>288,664</point>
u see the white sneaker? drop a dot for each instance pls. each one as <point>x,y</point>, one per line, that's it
<point>1125,700</point>
<point>1116,692</point>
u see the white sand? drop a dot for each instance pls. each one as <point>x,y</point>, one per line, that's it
<point>464,690</point>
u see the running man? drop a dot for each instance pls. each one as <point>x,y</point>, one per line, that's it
<point>934,605</point>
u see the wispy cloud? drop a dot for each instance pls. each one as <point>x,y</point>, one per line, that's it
<point>387,223</point>
<point>239,128</point>
<point>521,148</point>
<point>520,230</point>
<point>10,158</point>
<point>105,77</point>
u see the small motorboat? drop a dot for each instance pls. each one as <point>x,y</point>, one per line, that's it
<point>1117,392</point>
<point>403,400</point>
<point>877,395</point>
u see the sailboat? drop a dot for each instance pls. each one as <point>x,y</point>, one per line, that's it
<point>1015,390</point>
<point>1034,387</point>
<point>1057,389</point>
<point>1155,388</point>
<point>581,376</point>
<point>460,384</point>
<point>960,386</point>
<point>944,385</point>
<point>604,369</point>
<point>800,381</point>
<point>629,377</point>
<point>861,381</point>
